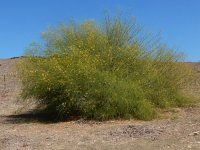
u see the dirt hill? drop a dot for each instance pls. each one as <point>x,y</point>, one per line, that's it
<point>19,129</point>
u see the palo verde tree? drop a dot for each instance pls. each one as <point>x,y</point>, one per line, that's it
<point>103,71</point>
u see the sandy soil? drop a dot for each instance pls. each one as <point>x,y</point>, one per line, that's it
<point>21,130</point>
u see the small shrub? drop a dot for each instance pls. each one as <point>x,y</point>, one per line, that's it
<point>103,72</point>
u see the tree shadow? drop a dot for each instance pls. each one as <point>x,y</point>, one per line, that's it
<point>35,116</point>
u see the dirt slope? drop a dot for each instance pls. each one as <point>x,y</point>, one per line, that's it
<point>24,131</point>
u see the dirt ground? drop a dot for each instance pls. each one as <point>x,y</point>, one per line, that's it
<point>22,130</point>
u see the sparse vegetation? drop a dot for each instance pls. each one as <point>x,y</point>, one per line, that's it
<point>103,72</point>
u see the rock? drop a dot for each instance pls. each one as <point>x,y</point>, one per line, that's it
<point>194,133</point>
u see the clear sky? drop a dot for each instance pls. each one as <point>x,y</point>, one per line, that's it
<point>22,21</point>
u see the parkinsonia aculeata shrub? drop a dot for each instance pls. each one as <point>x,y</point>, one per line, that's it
<point>103,71</point>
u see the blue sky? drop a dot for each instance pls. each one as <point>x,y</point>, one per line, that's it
<point>22,21</point>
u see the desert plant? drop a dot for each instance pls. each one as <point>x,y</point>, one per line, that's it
<point>103,71</point>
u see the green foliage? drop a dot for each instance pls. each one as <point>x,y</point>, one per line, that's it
<point>103,72</point>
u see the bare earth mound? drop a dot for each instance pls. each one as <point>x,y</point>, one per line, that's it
<point>20,129</point>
